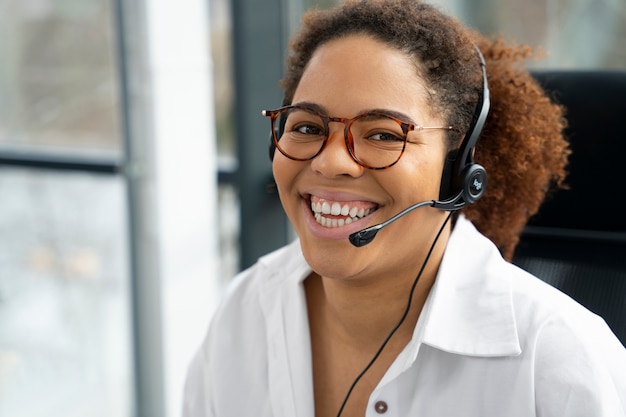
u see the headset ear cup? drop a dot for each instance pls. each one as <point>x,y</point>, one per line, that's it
<point>446,189</point>
<point>474,183</point>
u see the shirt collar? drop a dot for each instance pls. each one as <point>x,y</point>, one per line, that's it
<point>470,309</point>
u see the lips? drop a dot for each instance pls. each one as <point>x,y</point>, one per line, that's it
<point>333,214</point>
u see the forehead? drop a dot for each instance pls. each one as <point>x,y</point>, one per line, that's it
<point>357,72</point>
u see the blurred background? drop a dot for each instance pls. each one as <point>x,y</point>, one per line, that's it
<point>134,178</point>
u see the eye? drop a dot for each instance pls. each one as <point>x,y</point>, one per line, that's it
<point>385,137</point>
<point>308,129</point>
<point>304,123</point>
<point>378,129</point>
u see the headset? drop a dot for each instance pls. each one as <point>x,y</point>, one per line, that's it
<point>463,181</point>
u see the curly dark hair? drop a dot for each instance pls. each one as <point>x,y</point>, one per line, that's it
<point>521,146</point>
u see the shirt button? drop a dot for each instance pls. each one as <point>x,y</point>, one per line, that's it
<point>381,407</point>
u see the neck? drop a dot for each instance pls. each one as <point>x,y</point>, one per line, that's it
<point>362,312</point>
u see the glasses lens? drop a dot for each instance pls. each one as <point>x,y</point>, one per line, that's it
<point>304,134</point>
<point>378,140</point>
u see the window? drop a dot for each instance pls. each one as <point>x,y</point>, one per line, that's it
<point>65,328</point>
<point>566,30</point>
<point>107,172</point>
<point>65,319</point>
<point>58,79</point>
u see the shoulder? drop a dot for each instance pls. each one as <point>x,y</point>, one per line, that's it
<point>571,355</point>
<point>238,340</point>
<point>534,302</point>
<point>544,313</point>
<point>579,365</point>
<point>248,294</point>
<point>271,271</point>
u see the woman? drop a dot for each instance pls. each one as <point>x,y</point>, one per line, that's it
<point>383,100</point>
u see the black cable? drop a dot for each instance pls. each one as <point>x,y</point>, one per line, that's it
<point>404,316</point>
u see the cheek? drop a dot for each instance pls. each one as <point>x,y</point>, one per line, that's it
<point>421,175</point>
<point>285,172</point>
<point>281,170</point>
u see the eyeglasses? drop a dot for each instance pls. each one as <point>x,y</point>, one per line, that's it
<point>375,139</point>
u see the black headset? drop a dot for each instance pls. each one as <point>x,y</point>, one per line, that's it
<point>463,181</point>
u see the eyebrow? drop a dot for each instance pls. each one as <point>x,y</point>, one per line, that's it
<point>398,115</point>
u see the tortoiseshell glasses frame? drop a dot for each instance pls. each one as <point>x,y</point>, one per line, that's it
<point>375,139</point>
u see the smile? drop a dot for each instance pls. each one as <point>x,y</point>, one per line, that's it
<point>333,214</point>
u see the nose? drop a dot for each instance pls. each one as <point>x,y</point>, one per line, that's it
<point>335,159</point>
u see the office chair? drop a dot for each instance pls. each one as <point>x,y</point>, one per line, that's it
<point>577,241</point>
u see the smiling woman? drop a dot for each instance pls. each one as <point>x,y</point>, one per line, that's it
<point>333,174</point>
<point>384,102</point>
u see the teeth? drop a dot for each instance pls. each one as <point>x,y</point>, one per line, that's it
<point>337,210</point>
<point>351,214</point>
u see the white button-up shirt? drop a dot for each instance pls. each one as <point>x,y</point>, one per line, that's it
<point>491,341</point>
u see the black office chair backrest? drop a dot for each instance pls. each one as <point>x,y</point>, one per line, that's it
<point>577,241</point>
